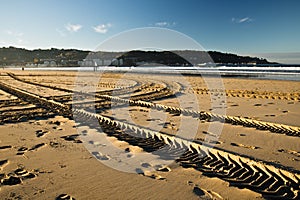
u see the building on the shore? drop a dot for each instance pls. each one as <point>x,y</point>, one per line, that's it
<point>47,63</point>
<point>94,62</point>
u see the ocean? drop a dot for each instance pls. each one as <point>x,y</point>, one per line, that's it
<point>272,73</point>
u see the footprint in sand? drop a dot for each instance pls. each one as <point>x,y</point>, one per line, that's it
<point>206,194</point>
<point>64,197</point>
<point>22,150</point>
<point>145,165</point>
<point>37,146</point>
<point>58,123</point>
<point>57,128</point>
<point>16,177</point>
<point>244,146</point>
<point>5,147</point>
<point>100,156</point>
<point>3,163</point>
<point>149,174</point>
<point>72,138</point>
<point>11,180</point>
<point>198,191</point>
<point>40,133</point>
<point>55,144</point>
<point>24,174</point>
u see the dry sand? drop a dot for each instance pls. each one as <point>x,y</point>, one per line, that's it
<point>47,157</point>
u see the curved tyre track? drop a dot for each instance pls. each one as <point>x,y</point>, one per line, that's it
<point>273,127</point>
<point>248,94</point>
<point>270,181</point>
<point>165,92</point>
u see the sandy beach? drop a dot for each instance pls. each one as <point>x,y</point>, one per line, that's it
<point>49,151</point>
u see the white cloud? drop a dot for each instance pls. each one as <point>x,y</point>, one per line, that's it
<point>246,19</point>
<point>165,24</point>
<point>73,27</point>
<point>241,20</point>
<point>102,28</point>
<point>15,36</point>
<point>161,23</point>
<point>14,33</point>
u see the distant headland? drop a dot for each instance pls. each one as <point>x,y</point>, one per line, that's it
<point>12,56</point>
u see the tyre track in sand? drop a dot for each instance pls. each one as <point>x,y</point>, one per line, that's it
<point>269,180</point>
<point>247,94</point>
<point>139,100</point>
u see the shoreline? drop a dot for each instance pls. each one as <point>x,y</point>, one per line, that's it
<point>252,75</point>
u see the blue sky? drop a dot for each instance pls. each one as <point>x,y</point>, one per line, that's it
<point>247,27</point>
